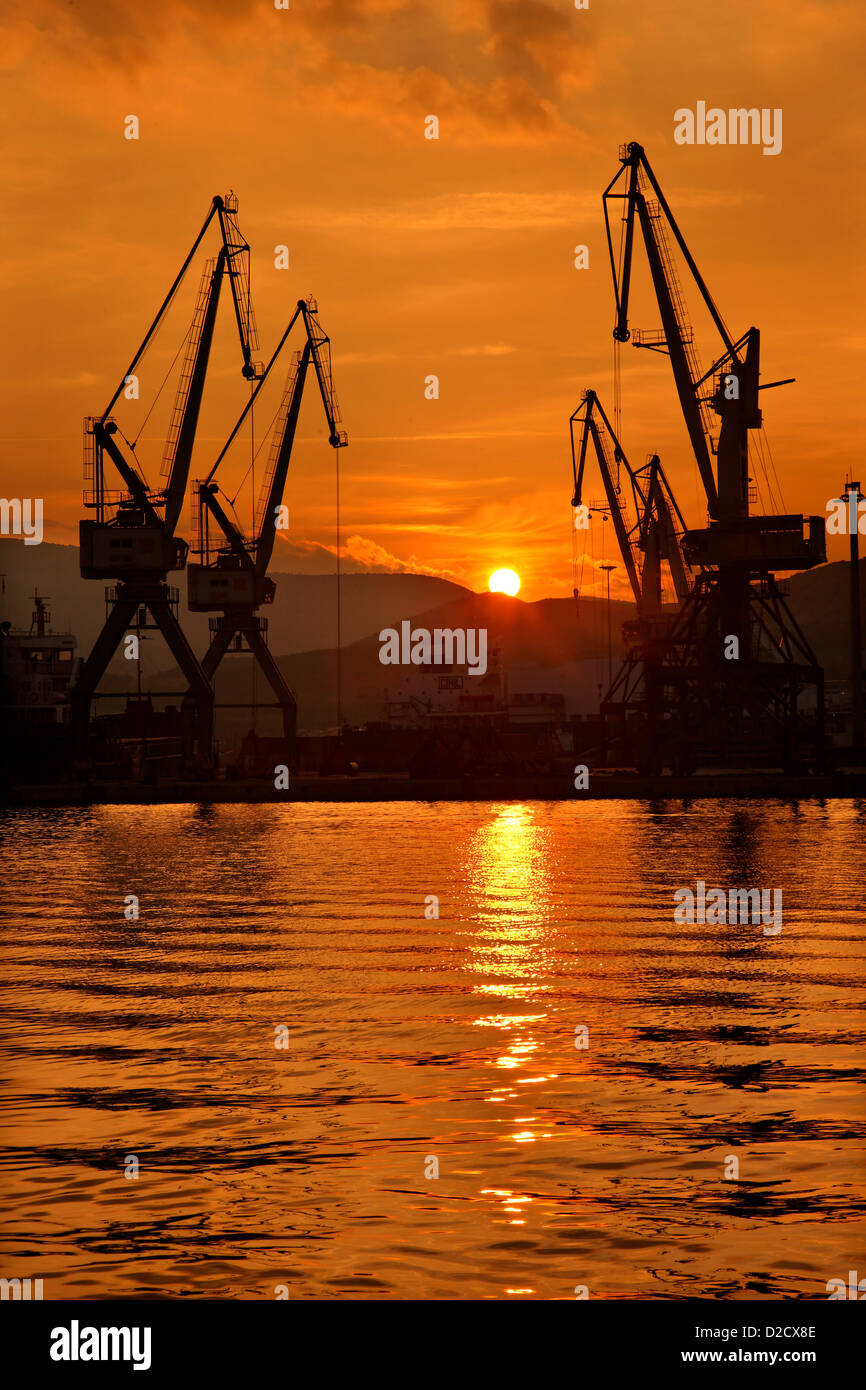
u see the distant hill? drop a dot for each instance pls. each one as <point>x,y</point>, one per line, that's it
<point>303,615</point>
<point>546,645</point>
<point>548,636</point>
<point>819,600</point>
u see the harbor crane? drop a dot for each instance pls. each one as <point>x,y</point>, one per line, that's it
<point>232,578</point>
<point>649,529</point>
<point>724,684</point>
<point>132,538</point>
<point>646,518</point>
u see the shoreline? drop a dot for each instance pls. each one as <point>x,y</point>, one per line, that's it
<point>603,786</point>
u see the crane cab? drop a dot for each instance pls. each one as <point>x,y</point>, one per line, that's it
<point>119,552</point>
<point>210,589</point>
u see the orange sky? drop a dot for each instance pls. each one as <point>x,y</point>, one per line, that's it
<point>452,257</point>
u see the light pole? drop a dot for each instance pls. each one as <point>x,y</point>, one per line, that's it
<point>854,495</point>
<point>607,569</point>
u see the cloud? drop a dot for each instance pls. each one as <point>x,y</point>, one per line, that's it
<point>506,110</point>
<point>458,435</point>
<point>482,210</point>
<point>371,359</point>
<point>339,16</point>
<point>116,30</point>
<point>376,558</point>
<point>489,69</point>
<point>486,350</point>
<point>359,555</point>
<point>429,482</point>
<point>537,40</point>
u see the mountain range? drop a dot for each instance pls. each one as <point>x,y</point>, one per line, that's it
<point>554,645</point>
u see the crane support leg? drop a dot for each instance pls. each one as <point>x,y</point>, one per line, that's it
<point>94,668</point>
<point>277,682</point>
<point>210,661</point>
<point>228,628</point>
<point>198,705</point>
<point>217,650</point>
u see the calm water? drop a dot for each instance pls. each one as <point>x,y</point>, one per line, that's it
<point>412,1039</point>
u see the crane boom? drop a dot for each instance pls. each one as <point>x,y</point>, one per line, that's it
<point>184,420</point>
<point>316,350</point>
<point>320,350</point>
<point>278,464</point>
<point>633,157</point>
<point>232,260</point>
<point>235,584</point>
<point>648,524</point>
<point>237,254</point>
<point>676,337</point>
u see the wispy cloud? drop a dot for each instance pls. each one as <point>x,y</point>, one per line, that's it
<point>359,554</point>
<point>484,210</point>
<point>376,557</point>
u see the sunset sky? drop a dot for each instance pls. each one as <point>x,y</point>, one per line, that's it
<point>451,257</point>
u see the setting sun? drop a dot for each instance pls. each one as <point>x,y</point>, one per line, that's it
<point>504,582</point>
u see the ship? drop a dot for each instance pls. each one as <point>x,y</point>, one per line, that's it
<point>38,666</point>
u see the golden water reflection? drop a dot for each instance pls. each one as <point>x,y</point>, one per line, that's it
<point>511,904</point>
<point>509,899</point>
<point>412,1038</point>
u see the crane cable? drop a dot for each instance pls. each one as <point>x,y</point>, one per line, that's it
<point>339,607</point>
<point>576,575</point>
<point>617,356</point>
<point>252,471</point>
<point>599,607</point>
<point>766,440</point>
<point>183,342</point>
<point>262,442</point>
<point>132,443</point>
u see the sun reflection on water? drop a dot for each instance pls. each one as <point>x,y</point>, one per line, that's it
<point>512,910</point>
<point>414,1037</point>
<point>510,903</point>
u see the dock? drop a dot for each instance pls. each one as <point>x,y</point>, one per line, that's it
<point>603,786</point>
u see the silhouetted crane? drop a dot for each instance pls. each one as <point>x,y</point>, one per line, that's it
<point>647,522</point>
<point>725,681</point>
<point>235,582</point>
<point>132,539</point>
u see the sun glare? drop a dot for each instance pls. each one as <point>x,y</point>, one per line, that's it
<point>504,582</point>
